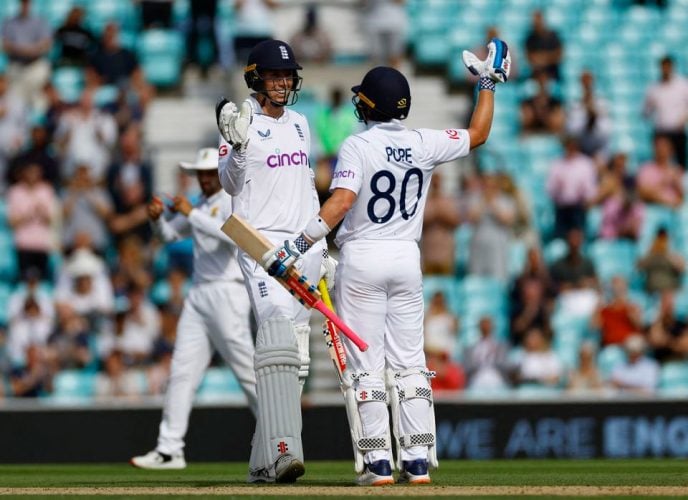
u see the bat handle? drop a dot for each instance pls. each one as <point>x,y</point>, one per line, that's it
<point>320,306</point>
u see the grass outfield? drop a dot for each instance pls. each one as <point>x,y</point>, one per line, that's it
<point>487,479</point>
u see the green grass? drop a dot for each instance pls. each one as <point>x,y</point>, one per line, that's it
<point>660,472</point>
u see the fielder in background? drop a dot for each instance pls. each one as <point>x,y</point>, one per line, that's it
<point>215,314</point>
<point>264,165</point>
<point>379,188</point>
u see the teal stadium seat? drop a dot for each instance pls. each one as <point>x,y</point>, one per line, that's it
<point>8,256</point>
<point>5,292</point>
<point>608,358</point>
<point>161,55</point>
<point>445,284</point>
<point>218,384</point>
<point>69,82</point>
<point>613,258</point>
<point>73,386</point>
<point>673,380</point>
<point>101,12</point>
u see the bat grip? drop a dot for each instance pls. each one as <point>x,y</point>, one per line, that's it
<point>348,332</point>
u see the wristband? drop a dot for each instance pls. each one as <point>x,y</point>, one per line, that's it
<point>486,83</point>
<point>316,229</point>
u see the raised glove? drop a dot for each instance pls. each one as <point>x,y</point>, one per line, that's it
<point>496,66</point>
<point>327,270</point>
<point>233,123</point>
<point>279,259</point>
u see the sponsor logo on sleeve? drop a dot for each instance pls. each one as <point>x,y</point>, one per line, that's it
<point>343,174</point>
<point>453,133</point>
<point>223,150</point>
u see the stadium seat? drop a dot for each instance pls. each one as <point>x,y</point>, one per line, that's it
<point>8,256</point>
<point>73,386</point>
<point>445,284</point>
<point>536,391</point>
<point>69,82</point>
<point>218,384</point>
<point>161,55</point>
<point>608,358</point>
<point>674,378</point>
<point>613,258</point>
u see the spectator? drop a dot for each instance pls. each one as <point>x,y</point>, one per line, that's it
<point>486,360</point>
<point>27,39</point>
<point>85,135</point>
<point>334,122</point>
<point>586,377</point>
<point>158,374</point>
<point>622,215</point>
<point>140,328</point>
<point>86,208</point>
<point>13,126</point>
<point>668,334</point>
<point>542,113</point>
<point>35,377</point>
<point>449,375</point>
<point>617,318</point>
<point>385,23</point>
<point>589,121</point>
<point>523,229</point>
<point>76,42</point>
<point>202,26</point>
<point>55,107</point>
<point>31,327</point>
<point>493,215</point>
<point>39,151</point>
<point>312,44</point>
<point>116,380</point>
<point>30,288</point>
<point>129,169</point>
<point>157,13</point>
<point>254,24</point>
<point>613,178</point>
<point>132,265</point>
<point>543,47</point>
<point>666,103</point>
<point>662,267</point>
<point>638,374</point>
<point>659,181</point>
<point>530,308</point>
<point>572,185</point>
<point>539,363</point>
<point>32,208</point>
<point>440,220</point>
<point>441,325</point>
<point>113,64</point>
<point>574,278</point>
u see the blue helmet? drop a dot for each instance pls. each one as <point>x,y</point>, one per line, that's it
<point>274,55</point>
<point>383,95</point>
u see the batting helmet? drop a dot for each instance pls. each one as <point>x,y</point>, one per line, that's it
<point>384,94</point>
<point>272,55</point>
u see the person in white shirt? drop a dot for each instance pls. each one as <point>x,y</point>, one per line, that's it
<point>215,313</point>
<point>379,189</point>
<point>638,374</point>
<point>666,103</point>
<point>264,164</point>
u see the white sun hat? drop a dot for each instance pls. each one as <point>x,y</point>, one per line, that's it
<point>206,159</point>
<point>84,263</point>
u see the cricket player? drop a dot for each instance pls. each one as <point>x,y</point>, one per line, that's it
<point>379,187</point>
<point>216,310</point>
<point>264,164</point>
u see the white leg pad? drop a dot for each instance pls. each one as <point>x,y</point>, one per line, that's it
<point>303,333</point>
<point>405,387</point>
<point>277,365</point>
<point>356,395</point>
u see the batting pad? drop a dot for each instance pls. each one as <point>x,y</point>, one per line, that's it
<point>277,365</point>
<point>303,333</point>
<point>356,394</point>
<point>413,413</point>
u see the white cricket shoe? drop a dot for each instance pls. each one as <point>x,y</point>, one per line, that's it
<point>378,473</point>
<point>154,460</point>
<point>288,468</point>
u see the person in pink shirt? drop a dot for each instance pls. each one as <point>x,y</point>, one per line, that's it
<point>572,185</point>
<point>659,180</point>
<point>31,209</point>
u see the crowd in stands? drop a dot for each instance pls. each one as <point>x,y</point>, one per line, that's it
<point>580,288</point>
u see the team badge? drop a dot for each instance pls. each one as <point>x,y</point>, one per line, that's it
<point>264,134</point>
<point>213,211</point>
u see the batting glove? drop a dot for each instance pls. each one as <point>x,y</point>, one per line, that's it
<point>277,261</point>
<point>327,270</point>
<point>233,123</point>
<point>496,66</point>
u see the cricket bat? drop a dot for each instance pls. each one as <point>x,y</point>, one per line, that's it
<point>256,245</point>
<point>332,339</point>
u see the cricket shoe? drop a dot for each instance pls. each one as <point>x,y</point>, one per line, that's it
<point>288,468</point>
<point>154,460</point>
<point>259,476</point>
<point>378,473</point>
<point>414,472</point>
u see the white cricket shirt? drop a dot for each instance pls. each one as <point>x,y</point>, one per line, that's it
<point>275,189</point>
<point>389,167</point>
<point>215,254</point>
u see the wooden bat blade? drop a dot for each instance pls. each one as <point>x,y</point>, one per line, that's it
<point>248,238</point>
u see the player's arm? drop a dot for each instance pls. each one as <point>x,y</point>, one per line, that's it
<point>168,231</point>
<point>494,69</point>
<point>331,213</point>
<point>233,125</point>
<point>208,225</point>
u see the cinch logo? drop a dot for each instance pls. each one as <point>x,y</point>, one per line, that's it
<point>287,159</point>
<point>344,174</point>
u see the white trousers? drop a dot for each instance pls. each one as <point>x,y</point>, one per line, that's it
<point>379,294</point>
<point>215,315</point>
<point>29,80</point>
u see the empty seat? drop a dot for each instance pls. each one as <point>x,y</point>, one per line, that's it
<point>218,384</point>
<point>161,55</point>
<point>73,385</point>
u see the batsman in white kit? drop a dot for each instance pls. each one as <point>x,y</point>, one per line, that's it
<point>264,165</point>
<point>215,314</point>
<point>379,189</point>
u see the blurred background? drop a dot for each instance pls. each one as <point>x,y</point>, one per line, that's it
<point>554,256</point>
